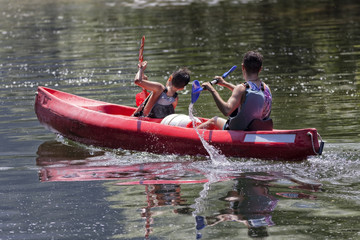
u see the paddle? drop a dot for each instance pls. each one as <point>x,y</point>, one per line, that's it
<point>196,87</point>
<point>141,96</point>
<point>195,91</point>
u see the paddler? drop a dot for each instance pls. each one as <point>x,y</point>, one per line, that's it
<point>163,99</point>
<point>249,101</point>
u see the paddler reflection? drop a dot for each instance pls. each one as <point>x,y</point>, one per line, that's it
<point>159,195</point>
<point>249,203</point>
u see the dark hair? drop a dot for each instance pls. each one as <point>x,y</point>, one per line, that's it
<point>252,62</point>
<point>181,78</point>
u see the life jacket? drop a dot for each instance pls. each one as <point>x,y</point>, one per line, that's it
<point>257,105</point>
<point>163,106</point>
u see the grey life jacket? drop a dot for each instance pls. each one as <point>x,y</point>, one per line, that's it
<point>257,105</point>
<point>163,106</point>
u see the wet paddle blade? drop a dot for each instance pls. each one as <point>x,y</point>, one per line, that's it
<point>195,91</point>
<point>141,96</point>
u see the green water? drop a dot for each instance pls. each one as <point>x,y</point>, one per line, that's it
<point>90,48</point>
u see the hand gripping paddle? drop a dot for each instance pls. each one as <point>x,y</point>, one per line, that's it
<point>141,96</point>
<point>196,87</point>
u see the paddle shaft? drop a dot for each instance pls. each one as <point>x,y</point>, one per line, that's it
<point>215,81</point>
<point>141,57</point>
<point>196,88</point>
<point>141,96</point>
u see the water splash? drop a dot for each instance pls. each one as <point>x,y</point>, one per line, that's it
<point>213,176</point>
<point>216,157</point>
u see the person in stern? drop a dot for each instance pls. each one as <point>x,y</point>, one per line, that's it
<point>163,99</point>
<point>249,105</point>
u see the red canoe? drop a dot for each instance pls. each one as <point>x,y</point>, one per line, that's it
<point>109,125</point>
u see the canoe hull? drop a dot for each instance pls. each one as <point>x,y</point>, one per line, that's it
<point>102,124</point>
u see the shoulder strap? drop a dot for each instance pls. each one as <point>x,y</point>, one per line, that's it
<point>262,86</point>
<point>175,94</point>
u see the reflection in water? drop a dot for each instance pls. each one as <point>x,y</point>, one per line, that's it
<point>250,203</point>
<point>245,197</point>
<point>158,195</point>
<point>62,162</point>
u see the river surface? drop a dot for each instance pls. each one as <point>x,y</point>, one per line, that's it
<point>53,188</point>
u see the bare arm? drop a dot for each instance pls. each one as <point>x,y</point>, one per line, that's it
<point>223,83</point>
<point>155,87</point>
<point>151,86</point>
<point>142,80</point>
<point>152,100</point>
<point>232,103</point>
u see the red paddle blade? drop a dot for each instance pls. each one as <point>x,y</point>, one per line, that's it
<point>141,56</point>
<point>141,96</point>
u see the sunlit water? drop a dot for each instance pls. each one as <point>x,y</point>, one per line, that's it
<point>52,188</point>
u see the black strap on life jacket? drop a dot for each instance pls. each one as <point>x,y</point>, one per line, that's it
<point>175,94</point>
<point>247,85</point>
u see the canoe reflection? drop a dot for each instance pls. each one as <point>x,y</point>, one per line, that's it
<point>246,196</point>
<point>62,162</point>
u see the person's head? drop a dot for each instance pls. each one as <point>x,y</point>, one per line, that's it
<point>252,62</point>
<point>180,78</point>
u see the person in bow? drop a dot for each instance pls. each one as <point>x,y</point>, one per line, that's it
<point>163,99</point>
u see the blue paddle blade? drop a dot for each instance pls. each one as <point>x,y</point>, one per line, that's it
<point>195,91</point>
<point>230,71</point>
